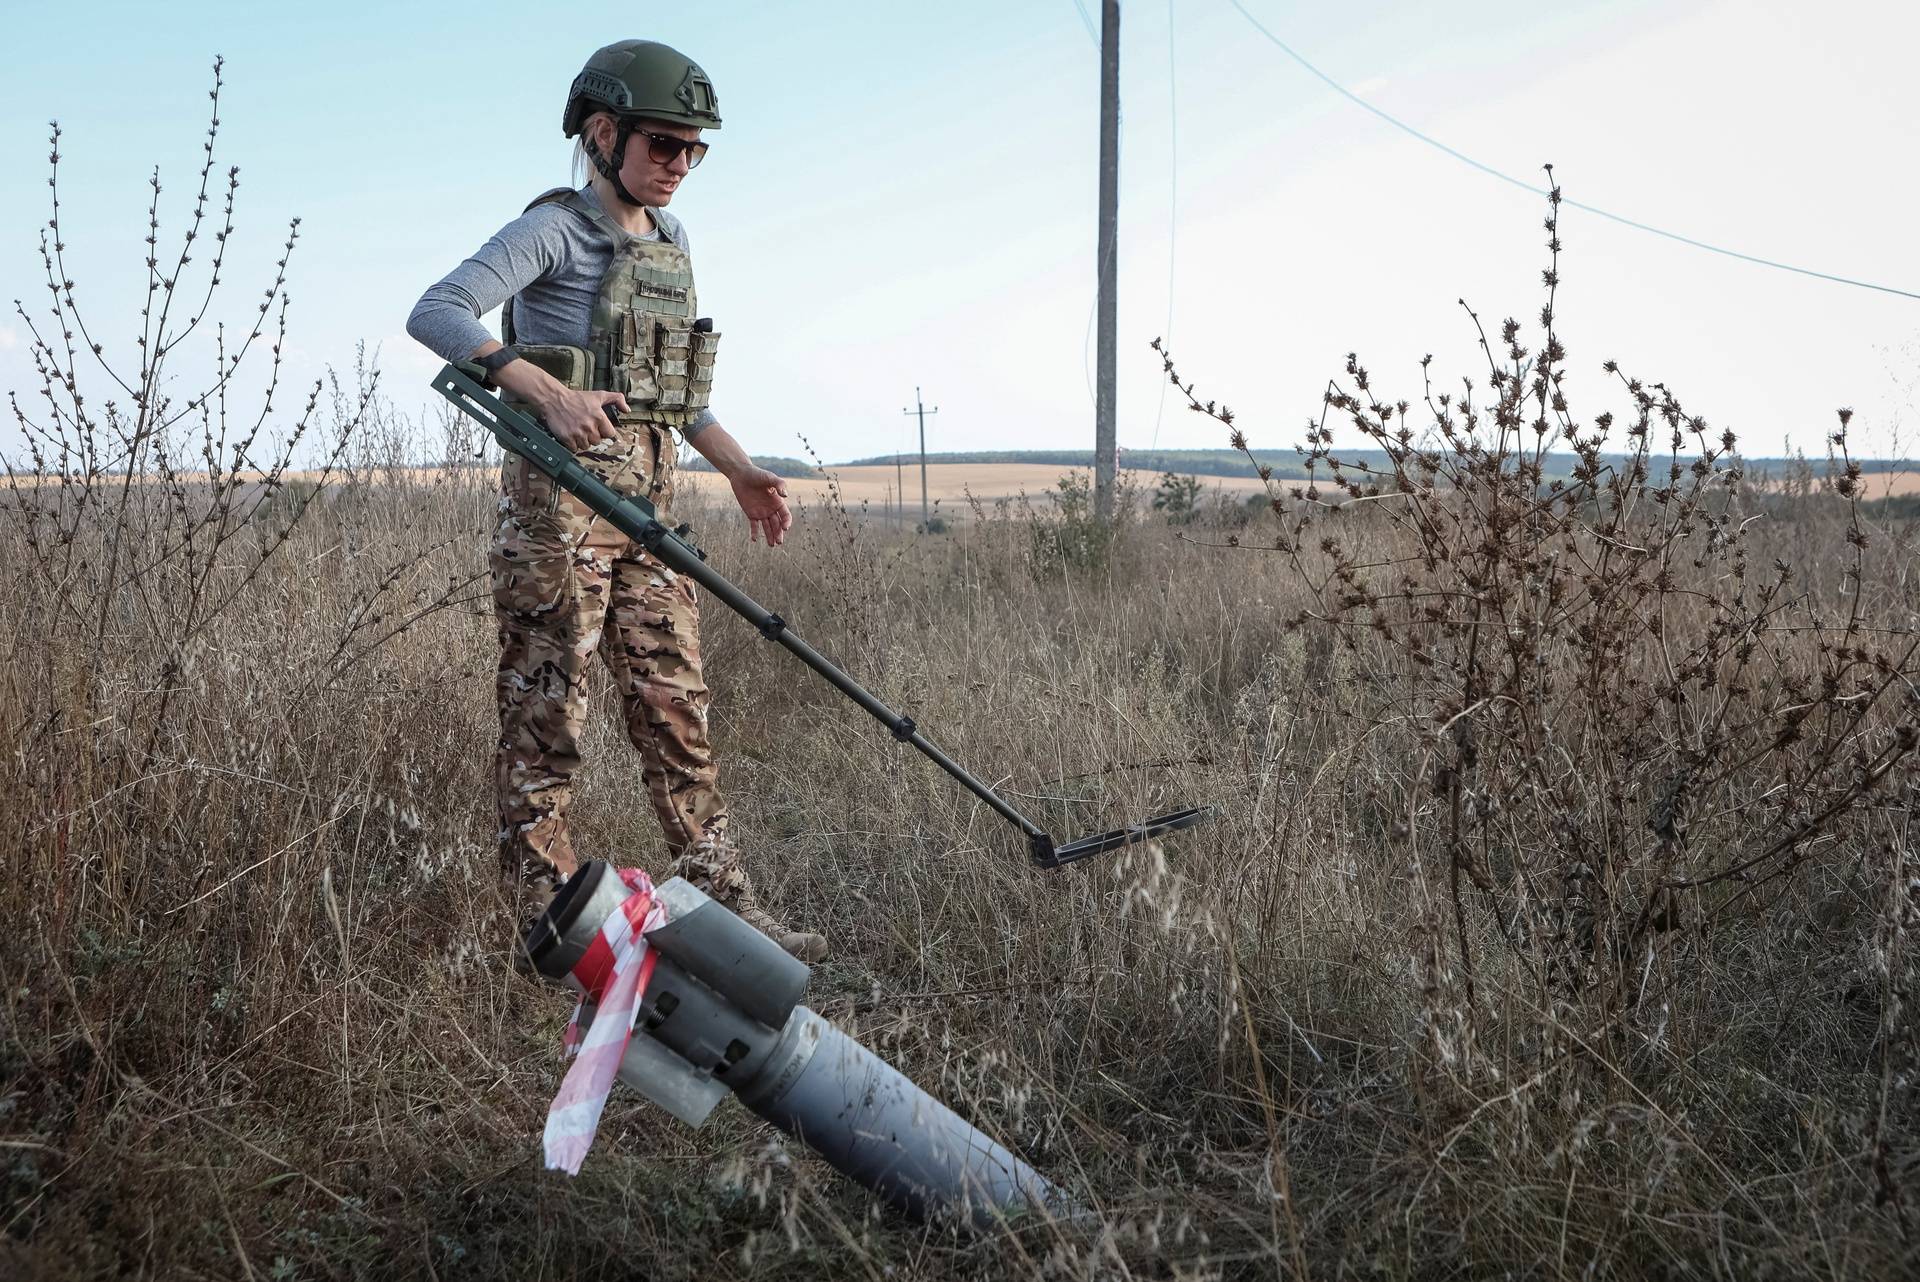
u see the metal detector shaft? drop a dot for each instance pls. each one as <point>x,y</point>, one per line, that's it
<point>635,517</point>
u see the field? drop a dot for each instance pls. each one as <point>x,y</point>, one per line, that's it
<point>1563,930</point>
<point>1891,479</point>
<point>954,485</point>
<point>953,488</point>
<point>1899,483</point>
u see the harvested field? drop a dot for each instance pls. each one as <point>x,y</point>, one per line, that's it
<point>1898,482</point>
<point>950,485</point>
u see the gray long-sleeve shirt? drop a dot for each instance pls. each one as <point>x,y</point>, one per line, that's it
<point>550,261</point>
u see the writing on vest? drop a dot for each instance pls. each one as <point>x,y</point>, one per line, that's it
<point>673,293</point>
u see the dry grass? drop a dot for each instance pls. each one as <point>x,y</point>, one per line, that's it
<point>258,1019</point>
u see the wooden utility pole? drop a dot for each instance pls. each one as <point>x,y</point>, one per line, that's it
<point>920,412</point>
<point>1105,448</point>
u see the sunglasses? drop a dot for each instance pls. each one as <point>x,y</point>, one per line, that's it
<point>663,148</point>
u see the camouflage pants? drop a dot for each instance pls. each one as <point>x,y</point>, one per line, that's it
<point>565,586</point>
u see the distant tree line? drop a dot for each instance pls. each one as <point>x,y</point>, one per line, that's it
<point>1187,462</point>
<point>777,464</point>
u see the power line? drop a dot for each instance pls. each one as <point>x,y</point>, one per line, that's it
<point>1358,101</point>
<point>1086,343</point>
<point>1087,22</point>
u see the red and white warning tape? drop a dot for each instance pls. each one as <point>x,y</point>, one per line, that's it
<point>612,976</point>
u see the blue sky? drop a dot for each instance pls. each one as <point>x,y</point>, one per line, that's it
<point>903,194</point>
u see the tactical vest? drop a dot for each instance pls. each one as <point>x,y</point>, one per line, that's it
<point>642,341</point>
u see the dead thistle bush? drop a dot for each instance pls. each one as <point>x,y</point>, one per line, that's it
<point>1632,731</point>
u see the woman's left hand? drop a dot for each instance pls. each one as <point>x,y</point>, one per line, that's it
<point>763,497</point>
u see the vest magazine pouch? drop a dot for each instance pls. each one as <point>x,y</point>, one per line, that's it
<point>571,365</point>
<point>700,375</point>
<point>633,365</point>
<point>673,363</point>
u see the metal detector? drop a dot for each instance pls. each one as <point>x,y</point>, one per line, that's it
<point>634,517</point>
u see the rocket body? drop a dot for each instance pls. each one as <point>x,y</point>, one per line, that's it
<point>721,1014</point>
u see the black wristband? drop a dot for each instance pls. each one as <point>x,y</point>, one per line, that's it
<point>494,360</point>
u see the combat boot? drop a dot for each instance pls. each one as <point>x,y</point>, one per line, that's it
<point>523,960</point>
<point>531,895</point>
<point>713,866</point>
<point>803,944</point>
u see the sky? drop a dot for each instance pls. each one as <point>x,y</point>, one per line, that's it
<point>902,196</point>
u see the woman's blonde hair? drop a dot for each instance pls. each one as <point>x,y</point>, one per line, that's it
<point>583,168</point>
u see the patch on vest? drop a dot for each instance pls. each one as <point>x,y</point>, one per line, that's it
<point>654,289</point>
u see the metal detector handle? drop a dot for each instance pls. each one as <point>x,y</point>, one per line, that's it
<point>635,517</point>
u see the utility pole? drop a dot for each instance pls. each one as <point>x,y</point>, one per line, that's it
<point>920,412</point>
<point>1105,452</point>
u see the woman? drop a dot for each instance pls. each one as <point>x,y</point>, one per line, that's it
<point>604,345</point>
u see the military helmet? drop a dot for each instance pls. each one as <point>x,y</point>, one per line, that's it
<point>642,78</point>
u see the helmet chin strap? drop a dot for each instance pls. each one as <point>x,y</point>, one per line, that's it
<point>609,168</point>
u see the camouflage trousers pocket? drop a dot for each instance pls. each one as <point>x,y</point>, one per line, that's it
<point>660,483</point>
<point>625,461</point>
<point>526,493</point>
<point>532,576</point>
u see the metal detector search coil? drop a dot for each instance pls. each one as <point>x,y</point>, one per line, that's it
<point>634,516</point>
<point>1087,847</point>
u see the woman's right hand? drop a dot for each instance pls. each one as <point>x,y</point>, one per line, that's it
<point>579,420</point>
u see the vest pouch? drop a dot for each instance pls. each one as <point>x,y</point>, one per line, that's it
<point>631,349</point>
<point>673,363</point>
<point>700,376</point>
<point>570,365</point>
